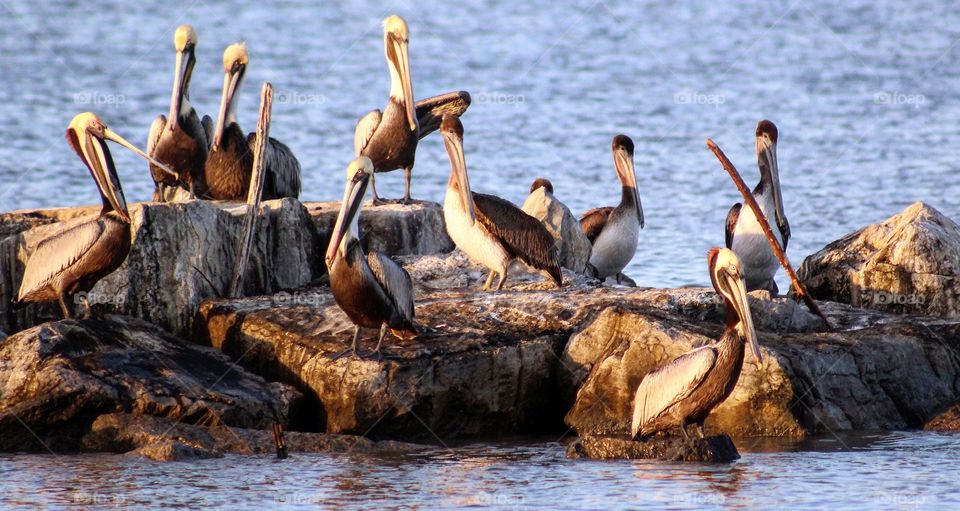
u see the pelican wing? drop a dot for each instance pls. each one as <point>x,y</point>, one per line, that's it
<point>364,130</point>
<point>207,124</point>
<point>732,216</point>
<point>785,233</point>
<point>430,111</point>
<point>155,130</point>
<point>395,282</point>
<point>667,385</point>
<point>281,167</point>
<point>523,236</point>
<point>56,254</point>
<point>593,221</point>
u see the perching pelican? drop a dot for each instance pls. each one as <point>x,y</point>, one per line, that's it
<point>614,232</point>
<point>687,389</point>
<point>75,259</point>
<point>372,290</point>
<point>179,140</point>
<point>230,161</point>
<point>490,230</point>
<point>744,235</point>
<point>390,138</point>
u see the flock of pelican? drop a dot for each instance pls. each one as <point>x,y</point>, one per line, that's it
<point>193,158</point>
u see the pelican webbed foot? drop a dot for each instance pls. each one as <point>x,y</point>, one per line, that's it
<point>352,350</point>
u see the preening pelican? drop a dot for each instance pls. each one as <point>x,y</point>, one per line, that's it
<point>687,389</point>
<point>230,162</point>
<point>490,230</point>
<point>75,259</point>
<point>743,232</point>
<point>179,140</point>
<point>614,231</point>
<point>373,290</point>
<point>389,138</point>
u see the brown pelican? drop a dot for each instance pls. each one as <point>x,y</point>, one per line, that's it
<point>179,140</point>
<point>372,290</point>
<point>490,230</point>
<point>541,182</point>
<point>75,259</point>
<point>230,161</point>
<point>389,138</point>
<point>613,232</point>
<point>744,235</point>
<point>687,389</point>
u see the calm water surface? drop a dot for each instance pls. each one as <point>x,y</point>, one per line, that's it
<point>865,95</point>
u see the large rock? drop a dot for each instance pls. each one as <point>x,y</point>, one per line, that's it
<point>909,263</point>
<point>572,245</point>
<point>394,229</point>
<point>894,373</point>
<point>712,449</point>
<point>55,379</point>
<point>183,252</point>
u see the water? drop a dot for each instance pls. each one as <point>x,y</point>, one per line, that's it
<point>864,94</point>
<point>885,471</point>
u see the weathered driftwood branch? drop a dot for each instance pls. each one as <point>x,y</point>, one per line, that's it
<point>767,231</point>
<point>255,191</point>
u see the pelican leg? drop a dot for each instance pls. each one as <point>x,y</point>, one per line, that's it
<point>376,351</point>
<point>486,286</point>
<point>406,194</point>
<point>88,310</point>
<point>700,430</point>
<point>373,188</point>
<point>67,313</point>
<point>503,278</point>
<point>353,347</point>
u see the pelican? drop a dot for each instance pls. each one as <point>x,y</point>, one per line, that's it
<point>614,232</point>
<point>744,235</point>
<point>230,162</point>
<point>490,230</point>
<point>179,139</point>
<point>389,138</point>
<point>372,290</point>
<point>687,389</point>
<point>541,182</point>
<point>75,259</point>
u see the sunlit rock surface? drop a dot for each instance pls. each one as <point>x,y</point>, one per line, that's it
<point>394,229</point>
<point>711,449</point>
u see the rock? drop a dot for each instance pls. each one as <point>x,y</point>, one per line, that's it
<point>55,379</point>
<point>161,439</point>
<point>949,420</point>
<point>712,449</point>
<point>394,229</point>
<point>182,253</point>
<point>909,263</point>
<point>888,375</point>
<point>572,245</point>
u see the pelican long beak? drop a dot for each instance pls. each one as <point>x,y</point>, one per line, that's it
<point>96,156</point>
<point>738,298</point>
<point>111,135</point>
<point>767,157</point>
<point>458,171</point>
<point>231,83</point>
<point>180,81</point>
<point>401,62</point>
<point>623,161</point>
<point>353,195</point>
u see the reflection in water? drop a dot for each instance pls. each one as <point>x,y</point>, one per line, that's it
<point>893,471</point>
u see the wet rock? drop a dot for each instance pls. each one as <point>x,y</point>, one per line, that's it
<point>55,379</point>
<point>949,420</point>
<point>572,245</point>
<point>161,439</point>
<point>909,263</point>
<point>712,449</point>
<point>182,253</point>
<point>394,229</point>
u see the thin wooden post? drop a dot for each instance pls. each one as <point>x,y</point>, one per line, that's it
<point>751,202</point>
<point>255,191</point>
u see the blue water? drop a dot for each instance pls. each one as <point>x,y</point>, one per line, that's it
<point>864,93</point>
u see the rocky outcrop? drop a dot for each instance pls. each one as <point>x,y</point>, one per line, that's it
<point>949,420</point>
<point>394,229</point>
<point>572,245</point>
<point>909,263</point>
<point>57,378</point>
<point>712,449</point>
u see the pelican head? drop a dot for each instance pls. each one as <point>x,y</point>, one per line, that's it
<point>541,182</point>
<point>235,60</point>
<point>359,172</point>
<point>725,273</point>
<point>452,131</point>
<point>396,38</point>
<point>767,160</point>
<point>184,40</point>
<point>87,135</point>
<point>623,162</point>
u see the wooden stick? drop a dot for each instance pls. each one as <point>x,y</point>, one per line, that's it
<point>767,231</point>
<point>255,191</point>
